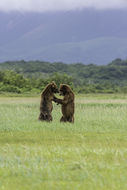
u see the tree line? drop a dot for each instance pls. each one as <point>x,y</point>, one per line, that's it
<point>32,76</point>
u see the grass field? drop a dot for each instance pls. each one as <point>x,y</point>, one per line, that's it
<point>89,154</point>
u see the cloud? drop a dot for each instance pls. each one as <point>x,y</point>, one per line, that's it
<point>58,5</point>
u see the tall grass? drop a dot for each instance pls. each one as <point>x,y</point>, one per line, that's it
<point>89,154</point>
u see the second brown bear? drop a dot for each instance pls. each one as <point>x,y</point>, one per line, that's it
<point>67,103</point>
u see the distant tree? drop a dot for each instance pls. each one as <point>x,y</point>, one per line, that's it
<point>12,78</point>
<point>61,79</point>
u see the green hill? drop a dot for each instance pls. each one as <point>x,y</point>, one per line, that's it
<point>113,74</point>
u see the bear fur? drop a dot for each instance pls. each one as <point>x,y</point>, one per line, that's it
<point>67,103</point>
<point>46,106</point>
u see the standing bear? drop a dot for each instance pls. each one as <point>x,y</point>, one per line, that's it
<point>67,103</point>
<point>46,106</point>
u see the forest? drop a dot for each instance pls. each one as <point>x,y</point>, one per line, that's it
<point>32,76</point>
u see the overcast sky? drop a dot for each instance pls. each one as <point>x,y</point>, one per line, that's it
<point>53,5</point>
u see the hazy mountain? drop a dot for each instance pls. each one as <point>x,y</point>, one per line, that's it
<point>86,36</point>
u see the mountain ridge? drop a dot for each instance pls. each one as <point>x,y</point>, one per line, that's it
<point>86,52</point>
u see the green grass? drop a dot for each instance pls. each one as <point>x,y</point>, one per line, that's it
<point>89,154</point>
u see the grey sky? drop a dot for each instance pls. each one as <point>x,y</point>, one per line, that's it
<point>54,5</point>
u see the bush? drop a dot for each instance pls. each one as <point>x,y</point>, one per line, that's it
<point>10,88</point>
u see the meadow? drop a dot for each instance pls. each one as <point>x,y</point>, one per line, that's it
<point>89,154</point>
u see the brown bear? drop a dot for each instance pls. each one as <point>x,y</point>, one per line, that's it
<point>67,103</point>
<point>46,106</point>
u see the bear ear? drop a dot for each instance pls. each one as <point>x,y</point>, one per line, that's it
<point>53,83</point>
<point>61,86</point>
